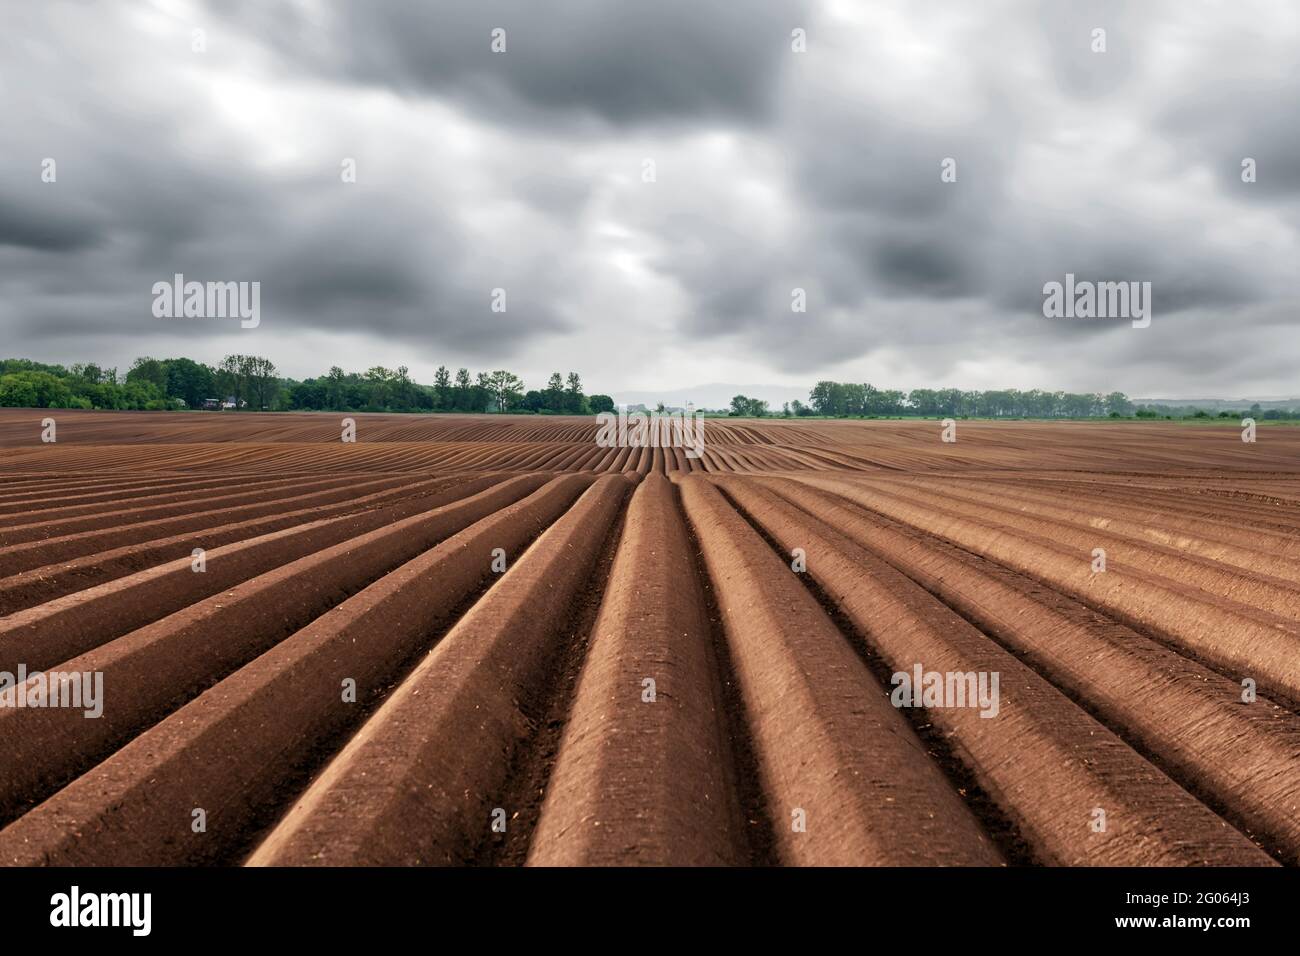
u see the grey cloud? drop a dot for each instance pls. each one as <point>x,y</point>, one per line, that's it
<point>622,63</point>
<point>881,227</point>
<point>29,224</point>
<point>1077,63</point>
<point>1123,165</point>
<point>136,202</point>
<point>1227,127</point>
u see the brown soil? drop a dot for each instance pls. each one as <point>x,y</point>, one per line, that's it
<point>770,737</point>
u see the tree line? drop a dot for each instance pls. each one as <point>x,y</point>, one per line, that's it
<point>149,385</point>
<point>853,400</point>
<point>382,389</point>
<point>252,382</point>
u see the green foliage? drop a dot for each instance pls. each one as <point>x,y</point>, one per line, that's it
<point>848,399</point>
<point>20,390</point>
<point>9,366</point>
<point>253,383</point>
<point>189,381</point>
<point>151,384</point>
<point>743,407</point>
<point>42,389</point>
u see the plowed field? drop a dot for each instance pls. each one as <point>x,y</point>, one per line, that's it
<point>486,640</point>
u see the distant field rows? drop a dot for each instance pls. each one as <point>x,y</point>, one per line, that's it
<point>96,443</point>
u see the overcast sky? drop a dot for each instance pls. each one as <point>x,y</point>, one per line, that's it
<point>774,169</point>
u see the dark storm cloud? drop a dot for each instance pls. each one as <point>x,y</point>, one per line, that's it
<point>142,193</point>
<point>625,63</point>
<point>883,204</point>
<point>31,224</point>
<point>1000,232</point>
<point>1265,130</point>
<point>1240,100</point>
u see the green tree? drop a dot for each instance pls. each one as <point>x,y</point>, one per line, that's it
<point>402,389</point>
<point>442,386</point>
<point>923,401</point>
<point>379,379</point>
<point>464,399</point>
<point>262,381</point>
<point>230,379</point>
<point>829,398</point>
<point>574,403</point>
<point>555,392</point>
<point>18,391</point>
<point>334,383</point>
<point>312,394</point>
<point>147,369</point>
<point>505,388</point>
<point>189,380</point>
